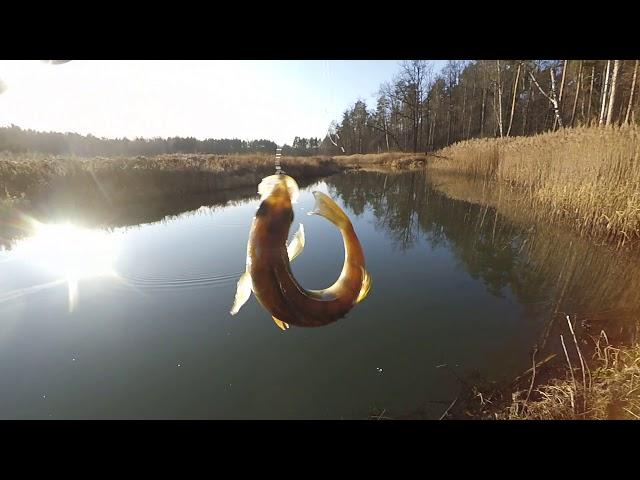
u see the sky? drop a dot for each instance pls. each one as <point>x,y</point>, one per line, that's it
<point>275,100</point>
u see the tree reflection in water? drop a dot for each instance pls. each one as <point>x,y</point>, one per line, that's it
<point>544,267</point>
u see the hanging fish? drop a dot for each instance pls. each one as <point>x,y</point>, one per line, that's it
<point>268,272</point>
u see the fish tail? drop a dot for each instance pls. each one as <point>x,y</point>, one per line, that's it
<point>330,210</point>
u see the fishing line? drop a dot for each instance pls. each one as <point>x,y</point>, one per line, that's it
<point>330,135</point>
<point>279,170</point>
<point>334,142</point>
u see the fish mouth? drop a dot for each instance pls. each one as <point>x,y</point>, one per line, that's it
<point>270,184</point>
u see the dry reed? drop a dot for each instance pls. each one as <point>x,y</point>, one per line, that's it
<point>587,177</point>
<point>612,390</point>
<point>121,179</point>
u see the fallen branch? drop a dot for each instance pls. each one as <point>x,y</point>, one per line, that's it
<point>575,387</point>
<point>437,156</point>
<point>538,365</point>
<point>533,377</point>
<point>584,382</point>
<point>450,407</point>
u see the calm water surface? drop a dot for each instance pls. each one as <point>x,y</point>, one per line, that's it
<point>131,320</point>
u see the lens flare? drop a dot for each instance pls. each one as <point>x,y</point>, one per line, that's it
<point>71,253</point>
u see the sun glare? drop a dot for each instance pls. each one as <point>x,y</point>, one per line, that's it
<point>70,253</point>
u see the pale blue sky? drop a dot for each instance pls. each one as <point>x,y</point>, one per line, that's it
<point>276,100</point>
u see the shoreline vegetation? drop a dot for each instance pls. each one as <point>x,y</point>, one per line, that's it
<point>585,178</point>
<point>603,388</point>
<point>37,176</point>
<point>120,180</point>
<point>566,386</point>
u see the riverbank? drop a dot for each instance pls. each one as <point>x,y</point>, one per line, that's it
<point>121,180</point>
<point>569,264</point>
<point>572,386</point>
<point>586,178</point>
<point>602,386</point>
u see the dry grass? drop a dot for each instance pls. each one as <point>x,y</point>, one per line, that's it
<point>121,179</point>
<point>568,263</point>
<point>587,177</point>
<point>127,178</point>
<point>610,391</point>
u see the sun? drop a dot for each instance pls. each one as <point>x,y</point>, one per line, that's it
<point>70,253</point>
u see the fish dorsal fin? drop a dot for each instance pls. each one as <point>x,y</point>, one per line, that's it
<point>297,244</point>
<point>280,323</point>
<point>243,292</point>
<point>366,286</point>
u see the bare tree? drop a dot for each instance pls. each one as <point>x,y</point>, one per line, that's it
<point>525,113</point>
<point>575,100</point>
<point>487,98</point>
<point>612,95</point>
<point>411,88</point>
<point>564,74</point>
<point>473,95</point>
<point>593,75</point>
<point>603,100</point>
<point>484,98</point>
<point>451,74</point>
<point>633,87</point>
<point>513,100</point>
<point>499,91</point>
<point>552,96</point>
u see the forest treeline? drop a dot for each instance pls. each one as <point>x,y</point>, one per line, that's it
<point>420,111</point>
<point>17,140</point>
<point>417,111</point>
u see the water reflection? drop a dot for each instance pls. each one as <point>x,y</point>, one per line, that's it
<point>544,267</point>
<point>457,283</point>
<point>548,269</point>
<point>68,253</point>
<point>407,207</point>
<point>92,212</point>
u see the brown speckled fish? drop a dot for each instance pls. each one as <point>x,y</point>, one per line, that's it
<point>268,272</point>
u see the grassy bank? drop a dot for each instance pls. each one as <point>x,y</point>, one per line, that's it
<point>588,178</point>
<point>610,304</point>
<point>572,385</point>
<point>121,180</point>
<point>609,390</point>
<point>602,385</point>
<point>397,160</point>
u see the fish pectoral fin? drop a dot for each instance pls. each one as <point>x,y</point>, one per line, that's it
<point>243,292</point>
<point>297,244</point>
<point>366,285</point>
<point>280,323</point>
